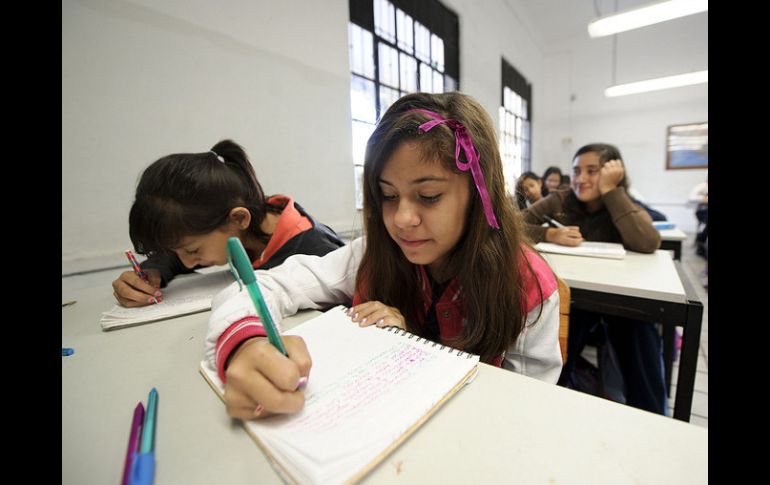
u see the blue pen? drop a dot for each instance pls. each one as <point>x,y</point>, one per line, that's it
<point>237,258</point>
<point>143,467</point>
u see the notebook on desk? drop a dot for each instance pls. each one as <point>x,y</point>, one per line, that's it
<point>186,294</point>
<point>368,390</point>
<point>591,249</point>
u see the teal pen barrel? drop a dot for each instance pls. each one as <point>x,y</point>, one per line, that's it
<point>264,315</point>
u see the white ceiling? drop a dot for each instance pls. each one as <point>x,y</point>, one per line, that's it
<point>554,21</point>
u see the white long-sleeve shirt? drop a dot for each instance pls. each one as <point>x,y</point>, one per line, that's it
<point>313,282</point>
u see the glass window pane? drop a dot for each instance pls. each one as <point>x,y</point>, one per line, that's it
<point>361,53</point>
<point>359,175</point>
<point>405,31</point>
<point>421,42</point>
<point>438,82</point>
<point>388,65</point>
<point>385,20</point>
<point>437,52</point>
<point>387,97</point>
<point>362,100</point>
<point>426,78</point>
<point>524,108</point>
<point>449,83</point>
<point>408,73</point>
<point>361,133</point>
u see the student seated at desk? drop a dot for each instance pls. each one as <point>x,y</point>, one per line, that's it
<point>187,205</point>
<point>528,189</point>
<point>598,208</point>
<point>553,180</point>
<point>443,257</point>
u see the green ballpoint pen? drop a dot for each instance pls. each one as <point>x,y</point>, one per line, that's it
<point>241,268</point>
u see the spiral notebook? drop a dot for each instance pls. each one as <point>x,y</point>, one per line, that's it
<point>368,390</point>
<point>185,295</point>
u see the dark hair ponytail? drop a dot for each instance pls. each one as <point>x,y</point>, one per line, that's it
<point>188,194</point>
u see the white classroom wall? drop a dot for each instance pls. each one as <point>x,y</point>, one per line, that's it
<point>577,112</point>
<point>142,79</point>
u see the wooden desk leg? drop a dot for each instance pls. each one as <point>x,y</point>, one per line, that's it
<point>688,361</point>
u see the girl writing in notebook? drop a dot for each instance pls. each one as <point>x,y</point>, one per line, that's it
<point>188,204</point>
<point>443,257</point>
<point>598,208</point>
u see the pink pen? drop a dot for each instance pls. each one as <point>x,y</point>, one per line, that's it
<point>133,441</point>
<point>135,265</point>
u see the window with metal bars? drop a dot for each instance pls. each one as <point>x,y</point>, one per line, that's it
<point>396,47</point>
<point>515,126</point>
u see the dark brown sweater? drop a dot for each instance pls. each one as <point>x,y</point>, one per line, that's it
<point>619,219</point>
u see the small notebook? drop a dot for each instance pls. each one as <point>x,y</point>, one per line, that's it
<point>368,390</point>
<point>185,294</point>
<point>591,249</point>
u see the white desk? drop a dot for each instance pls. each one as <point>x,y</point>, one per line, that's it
<point>502,427</point>
<point>671,239</point>
<point>646,287</point>
<point>640,275</point>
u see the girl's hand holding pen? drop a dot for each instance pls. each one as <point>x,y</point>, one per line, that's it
<point>132,291</point>
<point>261,381</point>
<point>566,236</point>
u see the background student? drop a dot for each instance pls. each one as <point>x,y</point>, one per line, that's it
<point>599,209</point>
<point>699,198</point>
<point>438,231</point>
<point>188,204</point>
<point>552,180</point>
<point>529,188</point>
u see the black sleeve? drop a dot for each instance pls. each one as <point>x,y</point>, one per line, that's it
<point>169,266</point>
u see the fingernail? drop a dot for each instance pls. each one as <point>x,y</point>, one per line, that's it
<point>302,382</point>
<point>153,300</point>
<point>258,410</point>
<point>363,321</point>
<point>380,321</point>
<point>355,316</point>
<point>158,294</point>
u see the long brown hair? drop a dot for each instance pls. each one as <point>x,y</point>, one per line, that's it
<point>485,259</point>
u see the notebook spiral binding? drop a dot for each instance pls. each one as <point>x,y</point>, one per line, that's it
<point>410,335</point>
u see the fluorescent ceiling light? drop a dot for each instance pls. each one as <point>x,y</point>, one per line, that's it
<point>657,84</point>
<point>643,16</point>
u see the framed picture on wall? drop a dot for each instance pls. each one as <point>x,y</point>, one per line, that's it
<point>687,146</point>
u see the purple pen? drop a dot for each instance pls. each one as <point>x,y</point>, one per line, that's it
<point>133,441</point>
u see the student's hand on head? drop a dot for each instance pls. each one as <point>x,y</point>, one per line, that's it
<point>566,236</point>
<point>377,313</point>
<point>261,381</point>
<point>611,175</point>
<point>132,291</point>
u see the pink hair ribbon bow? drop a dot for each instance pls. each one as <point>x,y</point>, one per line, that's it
<point>463,140</point>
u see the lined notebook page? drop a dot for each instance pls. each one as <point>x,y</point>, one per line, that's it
<point>185,294</point>
<point>367,388</point>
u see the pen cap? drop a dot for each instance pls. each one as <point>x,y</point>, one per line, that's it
<point>143,469</point>
<point>237,255</point>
